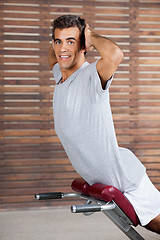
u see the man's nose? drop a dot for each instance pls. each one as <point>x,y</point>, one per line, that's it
<point>63,46</point>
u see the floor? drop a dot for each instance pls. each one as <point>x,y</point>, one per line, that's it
<point>61,224</point>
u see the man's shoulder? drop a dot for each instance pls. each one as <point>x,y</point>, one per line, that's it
<point>88,67</point>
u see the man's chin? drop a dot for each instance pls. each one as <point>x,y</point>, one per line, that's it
<point>65,65</point>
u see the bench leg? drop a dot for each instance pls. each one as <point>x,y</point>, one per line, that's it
<point>127,229</point>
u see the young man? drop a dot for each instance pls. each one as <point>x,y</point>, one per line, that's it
<point>83,119</point>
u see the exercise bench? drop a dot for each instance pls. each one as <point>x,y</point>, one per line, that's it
<point>100,197</point>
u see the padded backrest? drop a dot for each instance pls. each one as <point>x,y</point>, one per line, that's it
<point>106,193</point>
<point>109,193</point>
<point>80,185</point>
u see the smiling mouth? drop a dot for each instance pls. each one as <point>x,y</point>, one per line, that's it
<point>64,57</point>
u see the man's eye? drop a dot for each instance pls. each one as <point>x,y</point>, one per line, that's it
<point>57,42</point>
<point>70,42</point>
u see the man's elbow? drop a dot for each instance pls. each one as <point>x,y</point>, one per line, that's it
<point>51,63</point>
<point>117,56</point>
<point>51,66</point>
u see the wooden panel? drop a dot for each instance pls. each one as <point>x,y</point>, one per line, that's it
<point>31,156</point>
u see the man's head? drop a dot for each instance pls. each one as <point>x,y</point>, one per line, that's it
<point>68,21</point>
<point>69,41</point>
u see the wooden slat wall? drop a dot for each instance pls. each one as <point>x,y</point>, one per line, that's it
<point>31,156</point>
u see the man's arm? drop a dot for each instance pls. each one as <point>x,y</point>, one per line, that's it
<point>51,57</point>
<point>111,54</point>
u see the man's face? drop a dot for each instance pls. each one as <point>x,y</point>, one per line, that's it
<point>67,46</point>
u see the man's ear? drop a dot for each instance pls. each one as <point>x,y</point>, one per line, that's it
<point>84,50</point>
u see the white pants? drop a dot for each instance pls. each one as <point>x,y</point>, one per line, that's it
<point>145,200</point>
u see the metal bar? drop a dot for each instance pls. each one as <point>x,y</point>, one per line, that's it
<point>110,209</point>
<point>70,195</point>
<point>91,208</point>
<point>123,226</point>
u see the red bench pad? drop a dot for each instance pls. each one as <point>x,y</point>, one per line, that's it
<point>106,193</point>
<point>80,185</point>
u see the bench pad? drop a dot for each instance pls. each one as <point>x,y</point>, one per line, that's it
<point>106,193</point>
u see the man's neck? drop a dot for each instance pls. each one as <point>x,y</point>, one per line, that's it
<point>66,73</point>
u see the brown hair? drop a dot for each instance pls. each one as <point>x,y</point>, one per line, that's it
<point>67,21</point>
